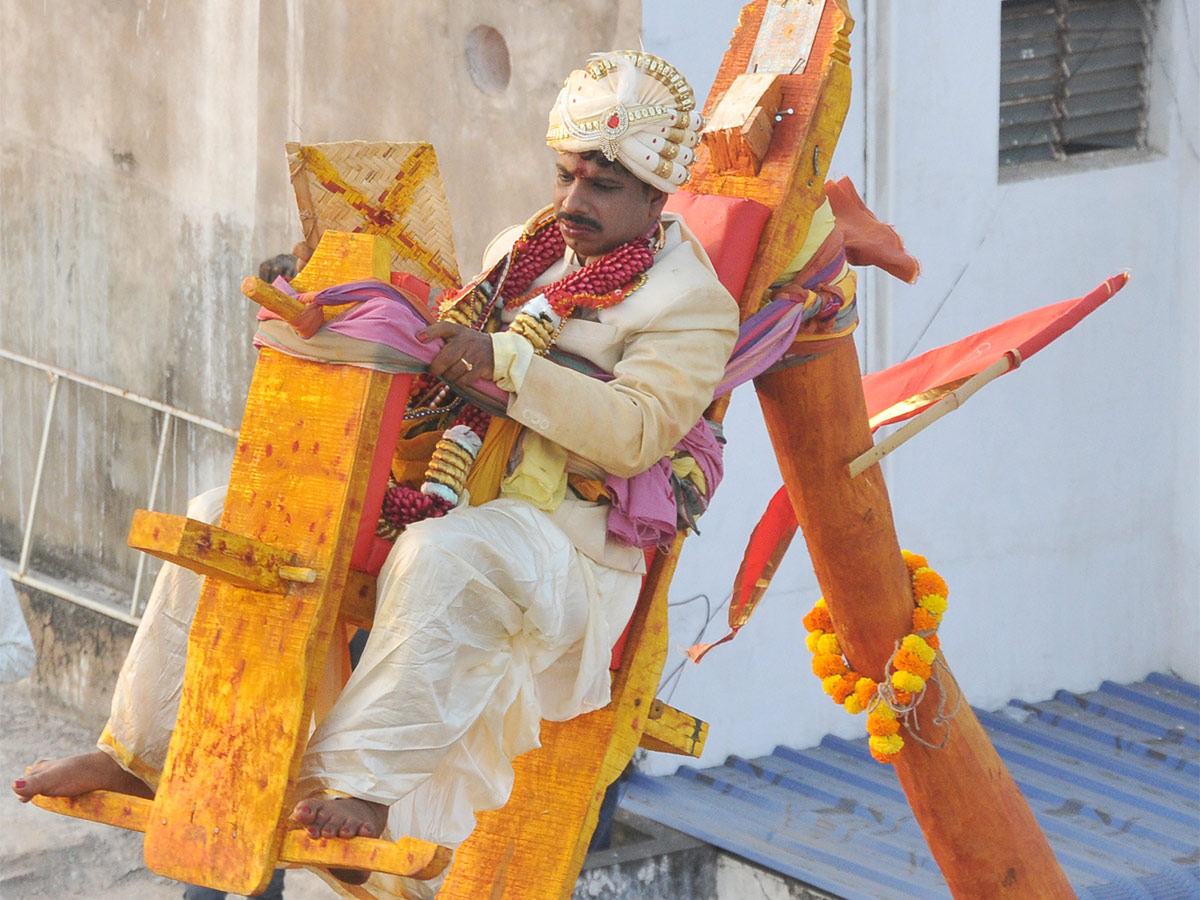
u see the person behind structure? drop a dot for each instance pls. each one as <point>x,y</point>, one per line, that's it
<point>499,615</point>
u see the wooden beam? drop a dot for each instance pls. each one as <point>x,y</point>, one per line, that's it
<point>669,730</point>
<point>214,552</point>
<point>978,826</point>
<point>739,132</point>
<point>299,477</point>
<point>792,176</point>
<point>409,857</point>
<point>107,807</point>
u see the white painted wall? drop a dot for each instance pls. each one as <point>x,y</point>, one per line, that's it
<point>1061,504</point>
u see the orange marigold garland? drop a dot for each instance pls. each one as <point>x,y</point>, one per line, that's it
<point>910,668</point>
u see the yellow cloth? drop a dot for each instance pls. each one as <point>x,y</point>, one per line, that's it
<point>819,229</point>
<point>483,483</point>
<point>511,355</point>
<point>540,476</point>
<point>686,467</point>
<point>412,456</point>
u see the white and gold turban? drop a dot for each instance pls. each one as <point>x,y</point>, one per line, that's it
<point>634,108</point>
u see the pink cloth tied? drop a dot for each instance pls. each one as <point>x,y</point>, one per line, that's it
<point>644,511</point>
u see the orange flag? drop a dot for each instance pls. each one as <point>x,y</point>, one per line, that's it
<point>896,394</point>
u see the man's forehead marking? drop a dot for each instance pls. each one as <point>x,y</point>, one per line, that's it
<point>589,169</point>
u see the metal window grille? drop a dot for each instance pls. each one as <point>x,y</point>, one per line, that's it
<point>1073,77</point>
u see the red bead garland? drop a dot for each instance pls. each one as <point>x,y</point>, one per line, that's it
<point>404,504</point>
<point>474,418</point>
<point>533,254</point>
<point>595,286</point>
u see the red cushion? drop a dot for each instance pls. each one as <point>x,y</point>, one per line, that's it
<point>365,556</point>
<point>619,647</point>
<point>728,228</point>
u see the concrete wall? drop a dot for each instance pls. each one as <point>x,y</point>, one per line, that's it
<point>142,176</point>
<point>79,655</point>
<point>1061,503</point>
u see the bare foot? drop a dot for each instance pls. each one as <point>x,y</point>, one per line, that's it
<point>344,817</point>
<point>75,775</point>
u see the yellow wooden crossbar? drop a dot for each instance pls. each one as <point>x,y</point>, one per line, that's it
<point>107,807</point>
<point>407,856</point>
<point>212,551</point>
<point>669,730</point>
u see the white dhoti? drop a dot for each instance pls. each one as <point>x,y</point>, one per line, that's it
<point>487,621</point>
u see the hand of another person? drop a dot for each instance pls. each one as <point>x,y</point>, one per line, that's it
<point>311,318</point>
<point>464,358</point>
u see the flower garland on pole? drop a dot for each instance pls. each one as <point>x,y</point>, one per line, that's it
<point>910,666</point>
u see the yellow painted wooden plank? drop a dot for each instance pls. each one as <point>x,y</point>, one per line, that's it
<point>297,482</point>
<point>669,730</point>
<point>534,847</point>
<point>108,807</point>
<point>407,856</point>
<point>791,178</point>
<point>338,254</point>
<point>212,551</point>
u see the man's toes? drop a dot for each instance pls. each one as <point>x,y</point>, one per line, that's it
<point>366,829</point>
<point>332,827</point>
<point>304,813</point>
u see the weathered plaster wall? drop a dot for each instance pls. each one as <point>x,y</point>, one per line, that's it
<point>142,176</point>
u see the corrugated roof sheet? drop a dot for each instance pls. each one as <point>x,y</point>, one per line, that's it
<point>1112,776</point>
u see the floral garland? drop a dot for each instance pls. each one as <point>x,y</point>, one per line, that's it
<point>911,665</point>
<point>603,282</point>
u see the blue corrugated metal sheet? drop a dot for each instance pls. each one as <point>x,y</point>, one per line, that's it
<point>1112,776</point>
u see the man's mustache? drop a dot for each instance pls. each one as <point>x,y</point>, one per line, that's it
<point>581,221</point>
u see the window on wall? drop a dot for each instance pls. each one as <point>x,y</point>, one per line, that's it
<point>1073,77</point>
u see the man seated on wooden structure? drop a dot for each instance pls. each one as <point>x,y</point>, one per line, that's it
<point>496,616</point>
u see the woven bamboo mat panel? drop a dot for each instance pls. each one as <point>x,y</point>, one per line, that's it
<point>393,190</point>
